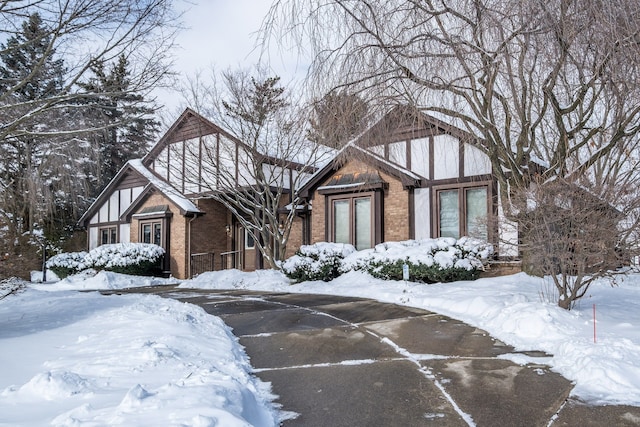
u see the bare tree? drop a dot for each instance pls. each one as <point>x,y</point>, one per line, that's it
<point>48,48</point>
<point>554,82</point>
<point>256,176</point>
<point>570,237</point>
<point>551,88</point>
<point>337,117</point>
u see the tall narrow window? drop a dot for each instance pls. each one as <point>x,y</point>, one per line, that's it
<point>449,213</point>
<point>363,223</point>
<point>476,201</point>
<point>157,233</point>
<point>341,221</point>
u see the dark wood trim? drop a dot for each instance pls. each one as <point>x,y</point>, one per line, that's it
<point>461,150</point>
<point>365,187</point>
<point>379,216</point>
<point>168,165</point>
<point>200,147</point>
<point>432,161</point>
<point>217,171</point>
<point>184,153</point>
<point>412,217</point>
<point>453,182</point>
<point>237,158</point>
<point>407,153</point>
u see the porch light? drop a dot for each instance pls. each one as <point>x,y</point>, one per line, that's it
<point>227,228</point>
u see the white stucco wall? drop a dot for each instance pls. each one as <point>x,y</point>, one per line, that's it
<point>422,213</point>
<point>446,157</point>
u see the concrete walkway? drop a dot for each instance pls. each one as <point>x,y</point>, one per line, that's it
<point>336,361</point>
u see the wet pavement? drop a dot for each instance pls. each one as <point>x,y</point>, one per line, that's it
<point>338,361</point>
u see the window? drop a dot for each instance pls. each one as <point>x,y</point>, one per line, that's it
<point>249,242</point>
<point>108,235</point>
<point>463,212</point>
<point>351,220</point>
<point>151,232</point>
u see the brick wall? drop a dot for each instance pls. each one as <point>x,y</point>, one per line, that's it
<point>395,205</point>
<point>176,227</point>
<point>208,232</point>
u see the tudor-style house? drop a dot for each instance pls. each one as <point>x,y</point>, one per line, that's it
<point>165,199</point>
<point>407,177</point>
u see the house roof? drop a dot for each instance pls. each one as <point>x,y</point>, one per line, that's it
<point>191,124</point>
<point>135,166</point>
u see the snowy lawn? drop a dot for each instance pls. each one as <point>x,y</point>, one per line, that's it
<point>73,359</point>
<point>82,359</point>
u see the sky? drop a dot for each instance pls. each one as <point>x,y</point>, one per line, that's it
<point>222,34</point>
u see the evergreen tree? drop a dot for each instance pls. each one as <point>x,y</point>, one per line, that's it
<point>29,69</point>
<point>125,119</point>
<point>30,72</point>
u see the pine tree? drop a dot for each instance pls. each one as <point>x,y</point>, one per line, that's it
<point>29,73</point>
<point>29,69</point>
<point>125,119</point>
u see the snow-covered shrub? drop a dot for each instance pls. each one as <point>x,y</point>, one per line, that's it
<point>140,259</point>
<point>66,264</point>
<point>320,261</point>
<point>428,260</point>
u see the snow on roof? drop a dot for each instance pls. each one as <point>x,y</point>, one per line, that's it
<point>167,189</point>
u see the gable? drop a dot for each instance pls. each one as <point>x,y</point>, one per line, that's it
<point>116,198</point>
<point>425,145</point>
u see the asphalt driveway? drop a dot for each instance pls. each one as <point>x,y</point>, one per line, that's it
<point>336,361</point>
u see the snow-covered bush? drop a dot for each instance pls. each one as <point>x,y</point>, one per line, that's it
<point>140,259</point>
<point>66,264</point>
<point>127,258</point>
<point>320,261</point>
<point>428,260</point>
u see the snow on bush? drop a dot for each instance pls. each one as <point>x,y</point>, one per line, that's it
<point>320,261</point>
<point>66,264</point>
<point>125,258</point>
<point>429,260</point>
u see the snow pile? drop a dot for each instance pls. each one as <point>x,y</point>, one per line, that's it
<point>87,359</point>
<point>93,280</point>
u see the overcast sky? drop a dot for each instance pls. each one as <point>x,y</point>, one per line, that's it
<point>221,34</point>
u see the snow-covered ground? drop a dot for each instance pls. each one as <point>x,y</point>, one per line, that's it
<point>73,359</point>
